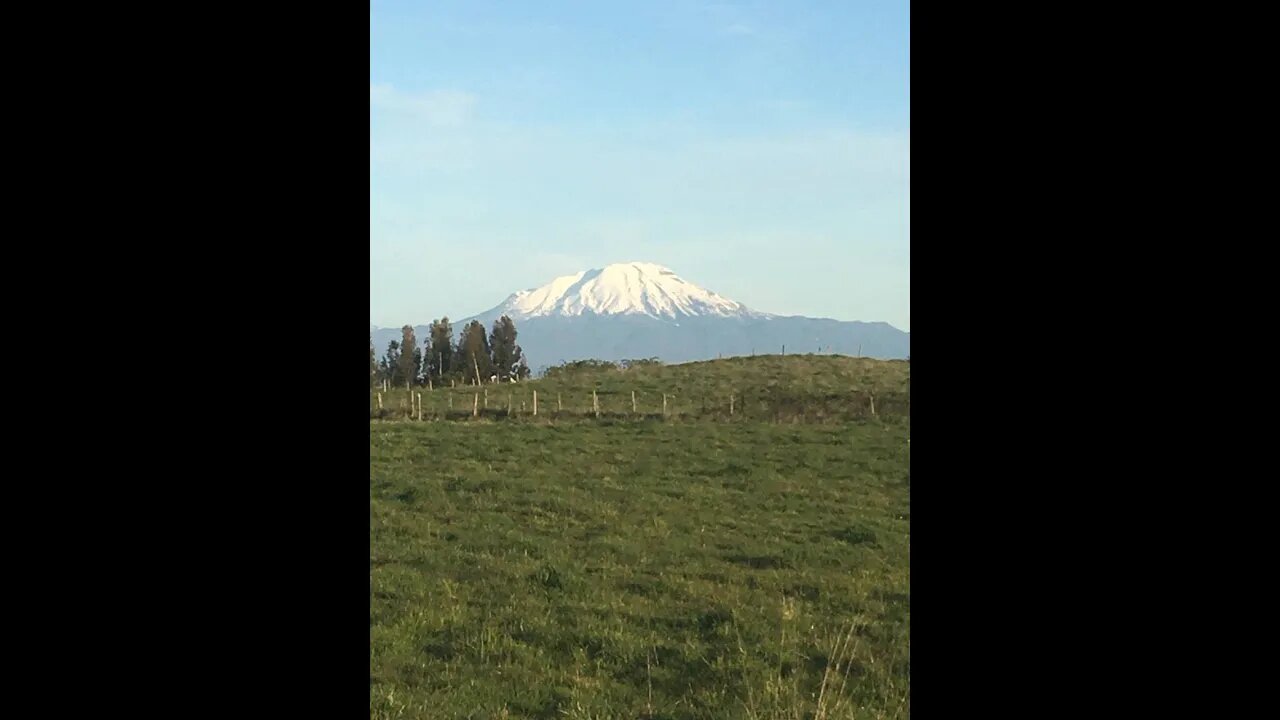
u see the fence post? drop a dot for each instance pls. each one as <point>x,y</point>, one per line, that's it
<point>633,402</point>
<point>873,404</point>
<point>730,406</point>
<point>559,407</point>
<point>379,401</point>
<point>595,403</point>
<point>664,404</point>
<point>535,403</point>
<point>419,407</point>
<point>475,405</point>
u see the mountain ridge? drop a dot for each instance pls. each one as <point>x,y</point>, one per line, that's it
<point>631,288</point>
<point>640,310</point>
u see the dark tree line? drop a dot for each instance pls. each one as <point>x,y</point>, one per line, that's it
<point>440,359</point>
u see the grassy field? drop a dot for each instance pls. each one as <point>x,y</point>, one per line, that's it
<point>796,388</point>
<point>625,568</point>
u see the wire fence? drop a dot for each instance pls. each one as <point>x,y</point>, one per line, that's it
<point>500,403</point>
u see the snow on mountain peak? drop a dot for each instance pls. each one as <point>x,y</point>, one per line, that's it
<point>633,288</point>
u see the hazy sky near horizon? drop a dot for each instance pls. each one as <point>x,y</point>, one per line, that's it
<point>759,149</point>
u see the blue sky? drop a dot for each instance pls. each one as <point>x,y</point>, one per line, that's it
<point>759,149</point>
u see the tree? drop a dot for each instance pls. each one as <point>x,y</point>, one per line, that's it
<point>373,364</point>
<point>473,351</point>
<point>508,358</point>
<point>391,362</point>
<point>440,350</point>
<point>407,368</point>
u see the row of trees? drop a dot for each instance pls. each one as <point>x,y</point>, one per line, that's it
<point>439,359</point>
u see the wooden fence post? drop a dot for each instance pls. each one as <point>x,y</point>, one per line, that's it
<point>730,406</point>
<point>595,403</point>
<point>419,407</point>
<point>633,402</point>
<point>873,404</point>
<point>475,405</point>
<point>559,407</point>
<point>379,401</point>
<point>664,404</point>
<point>535,403</point>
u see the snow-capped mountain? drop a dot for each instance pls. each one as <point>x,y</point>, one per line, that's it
<point>642,310</point>
<point>633,288</point>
